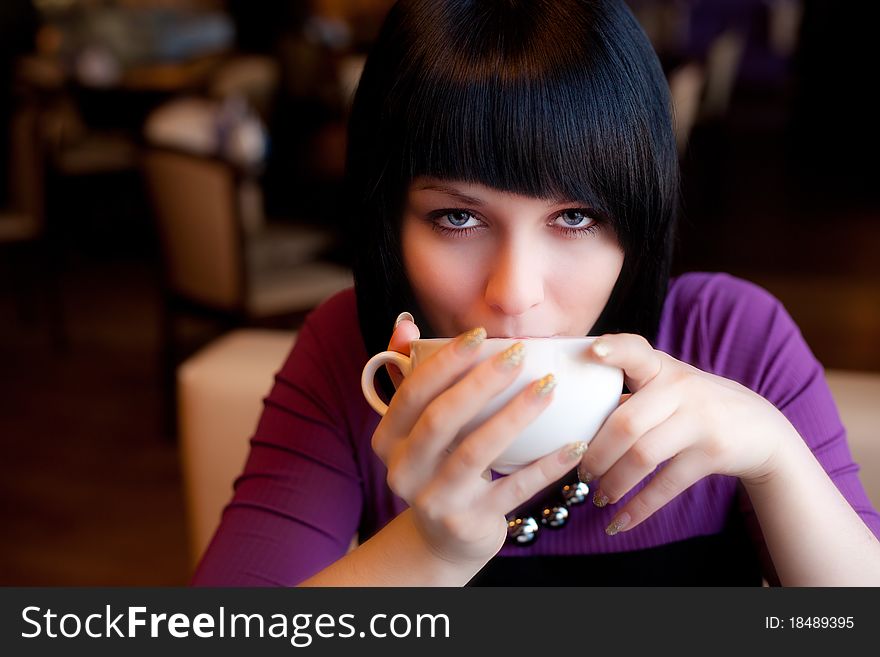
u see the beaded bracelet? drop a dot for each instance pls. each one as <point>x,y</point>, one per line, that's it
<point>524,526</point>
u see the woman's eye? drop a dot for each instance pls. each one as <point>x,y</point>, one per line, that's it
<point>573,218</point>
<point>458,218</point>
<point>452,222</point>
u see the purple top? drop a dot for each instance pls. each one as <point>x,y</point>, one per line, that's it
<point>312,480</point>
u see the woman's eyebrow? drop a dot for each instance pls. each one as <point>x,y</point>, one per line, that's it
<point>473,200</point>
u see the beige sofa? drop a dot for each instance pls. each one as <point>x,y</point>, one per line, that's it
<point>221,388</point>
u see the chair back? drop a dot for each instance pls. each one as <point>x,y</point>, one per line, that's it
<point>195,203</point>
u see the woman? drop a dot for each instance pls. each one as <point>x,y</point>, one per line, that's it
<point>512,172</point>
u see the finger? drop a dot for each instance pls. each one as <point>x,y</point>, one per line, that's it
<point>405,331</point>
<point>674,478</point>
<point>514,490</point>
<point>417,390</point>
<point>443,419</point>
<point>430,378</point>
<point>479,449</point>
<point>640,362</point>
<point>628,423</point>
<point>658,445</point>
<point>419,453</point>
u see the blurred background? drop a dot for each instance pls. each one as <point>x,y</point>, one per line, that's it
<point>170,173</point>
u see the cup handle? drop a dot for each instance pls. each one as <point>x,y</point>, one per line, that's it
<point>368,385</point>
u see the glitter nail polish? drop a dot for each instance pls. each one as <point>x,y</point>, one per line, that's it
<point>618,524</point>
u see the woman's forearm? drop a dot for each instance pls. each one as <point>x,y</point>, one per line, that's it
<point>396,556</point>
<point>813,535</point>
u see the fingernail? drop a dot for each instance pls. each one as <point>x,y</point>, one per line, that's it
<point>584,476</point>
<point>471,339</point>
<point>601,349</point>
<point>574,451</point>
<point>402,316</point>
<point>600,499</point>
<point>511,357</point>
<point>544,386</point>
<point>618,523</point>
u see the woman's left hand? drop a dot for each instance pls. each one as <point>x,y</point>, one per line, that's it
<point>701,423</point>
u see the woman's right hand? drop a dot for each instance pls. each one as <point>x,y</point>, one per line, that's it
<point>458,512</point>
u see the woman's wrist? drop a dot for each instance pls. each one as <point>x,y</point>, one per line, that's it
<point>804,518</point>
<point>397,555</point>
<point>441,570</point>
<point>788,454</point>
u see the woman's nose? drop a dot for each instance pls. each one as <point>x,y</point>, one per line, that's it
<point>516,282</point>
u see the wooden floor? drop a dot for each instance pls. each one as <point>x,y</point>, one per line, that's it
<point>90,486</point>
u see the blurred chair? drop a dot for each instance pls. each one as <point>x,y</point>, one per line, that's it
<point>686,84</point>
<point>722,70</point>
<point>785,18</point>
<point>24,220</point>
<point>221,388</point>
<point>221,259</point>
<point>253,77</point>
<point>76,149</point>
<point>701,91</point>
<point>23,231</point>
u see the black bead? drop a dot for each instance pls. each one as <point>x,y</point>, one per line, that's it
<point>554,516</point>
<point>523,531</point>
<point>575,493</point>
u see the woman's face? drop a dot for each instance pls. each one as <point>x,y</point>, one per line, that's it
<point>517,265</point>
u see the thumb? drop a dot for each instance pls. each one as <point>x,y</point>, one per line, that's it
<point>405,332</point>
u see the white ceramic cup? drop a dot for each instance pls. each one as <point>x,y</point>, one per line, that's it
<point>586,392</point>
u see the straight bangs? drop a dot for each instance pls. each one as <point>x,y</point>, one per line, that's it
<point>533,99</point>
<point>502,133</point>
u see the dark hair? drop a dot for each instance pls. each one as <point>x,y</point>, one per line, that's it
<point>546,98</point>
